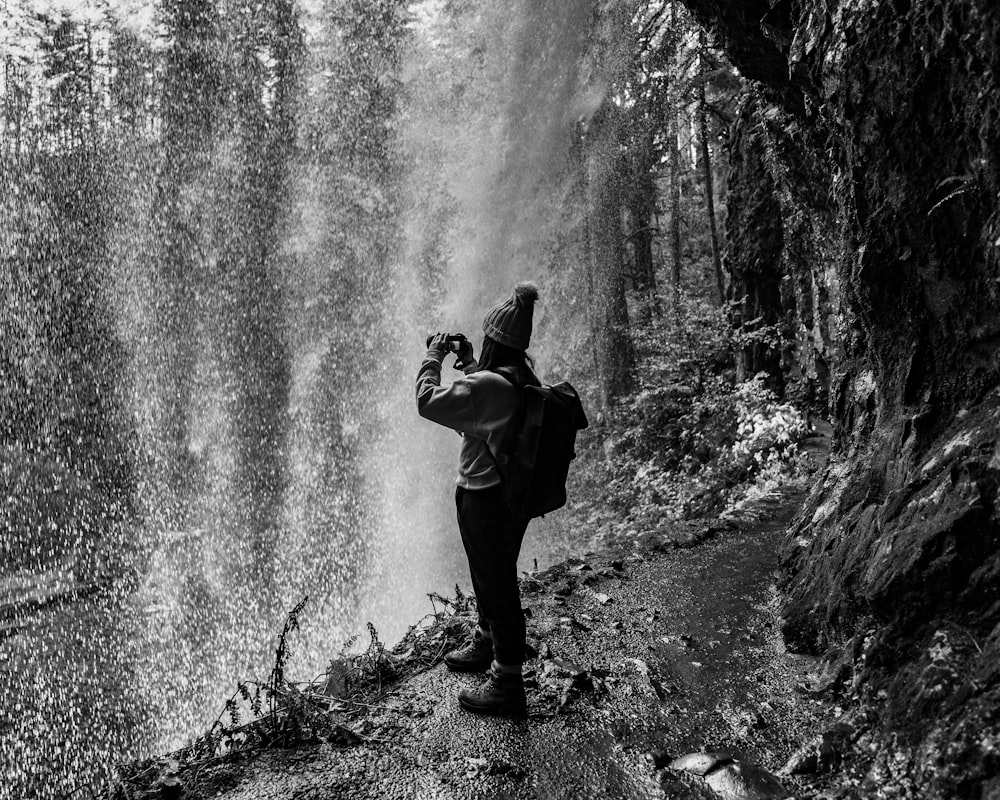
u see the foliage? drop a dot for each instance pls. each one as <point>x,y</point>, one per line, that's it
<point>691,442</point>
<point>323,709</point>
<point>766,430</point>
<point>281,655</point>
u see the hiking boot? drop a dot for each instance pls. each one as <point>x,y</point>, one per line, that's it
<point>501,694</point>
<point>476,656</point>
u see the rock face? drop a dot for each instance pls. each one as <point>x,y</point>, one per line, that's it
<point>878,126</point>
<point>755,234</point>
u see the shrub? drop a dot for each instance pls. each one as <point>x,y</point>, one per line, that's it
<point>767,431</point>
<point>690,442</point>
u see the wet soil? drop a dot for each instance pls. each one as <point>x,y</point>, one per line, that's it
<point>676,650</point>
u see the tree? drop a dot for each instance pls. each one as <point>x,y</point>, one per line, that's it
<point>267,48</point>
<point>192,97</point>
<point>706,162</point>
<point>612,334</point>
<point>606,198</point>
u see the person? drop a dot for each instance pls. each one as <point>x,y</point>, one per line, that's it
<point>481,405</point>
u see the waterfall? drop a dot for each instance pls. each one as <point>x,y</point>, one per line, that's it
<point>265,274</point>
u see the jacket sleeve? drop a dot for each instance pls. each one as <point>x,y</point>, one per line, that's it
<point>450,406</point>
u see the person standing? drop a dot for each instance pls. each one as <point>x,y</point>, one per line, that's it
<point>481,406</point>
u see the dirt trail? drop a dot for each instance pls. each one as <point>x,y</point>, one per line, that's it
<point>679,651</point>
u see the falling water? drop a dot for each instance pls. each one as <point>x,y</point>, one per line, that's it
<point>487,136</point>
<point>262,374</point>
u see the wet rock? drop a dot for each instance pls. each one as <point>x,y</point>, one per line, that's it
<point>344,736</point>
<point>636,666</point>
<point>804,761</point>
<point>474,767</point>
<point>701,763</point>
<point>835,673</point>
<point>822,754</point>
<point>168,783</point>
<point>563,665</point>
<point>336,678</point>
<point>743,722</point>
<point>477,767</point>
<point>729,778</point>
<point>573,675</point>
<point>171,788</point>
<point>562,680</point>
<point>840,793</point>
<point>742,781</point>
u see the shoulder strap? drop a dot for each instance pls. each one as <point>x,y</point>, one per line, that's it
<point>510,435</point>
<point>508,373</point>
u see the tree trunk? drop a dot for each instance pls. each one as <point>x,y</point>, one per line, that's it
<point>674,198</point>
<point>706,162</point>
<point>191,105</point>
<point>641,210</point>
<point>91,135</point>
<point>613,338</point>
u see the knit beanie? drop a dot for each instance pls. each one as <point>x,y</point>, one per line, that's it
<point>510,322</point>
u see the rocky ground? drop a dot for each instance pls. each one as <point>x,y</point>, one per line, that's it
<point>657,672</point>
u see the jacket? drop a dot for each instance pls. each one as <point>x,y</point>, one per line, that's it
<point>480,406</point>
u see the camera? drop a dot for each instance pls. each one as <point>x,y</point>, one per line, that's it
<point>453,340</point>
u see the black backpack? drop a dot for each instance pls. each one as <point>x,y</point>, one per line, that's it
<point>533,458</point>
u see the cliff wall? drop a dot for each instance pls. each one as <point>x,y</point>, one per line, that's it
<point>870,146</point>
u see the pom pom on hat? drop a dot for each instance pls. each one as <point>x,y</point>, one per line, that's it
<point>510,322</point>
<point>526,292</point>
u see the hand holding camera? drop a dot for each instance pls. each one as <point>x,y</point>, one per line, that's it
<point>452,343</point>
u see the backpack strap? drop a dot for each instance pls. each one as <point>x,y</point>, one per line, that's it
<point>508,373</point>
<point>515,423</point>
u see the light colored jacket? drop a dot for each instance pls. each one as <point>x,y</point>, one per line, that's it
<point>480,406</point>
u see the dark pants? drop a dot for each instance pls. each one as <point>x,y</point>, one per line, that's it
<point>492,537</point>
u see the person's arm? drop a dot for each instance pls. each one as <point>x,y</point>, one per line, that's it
<point>450,406</point>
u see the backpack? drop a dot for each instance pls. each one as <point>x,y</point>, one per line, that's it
<point>533,458</point>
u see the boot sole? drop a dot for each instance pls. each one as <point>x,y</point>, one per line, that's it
<point>494,711</point>
<point>467,667</point>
